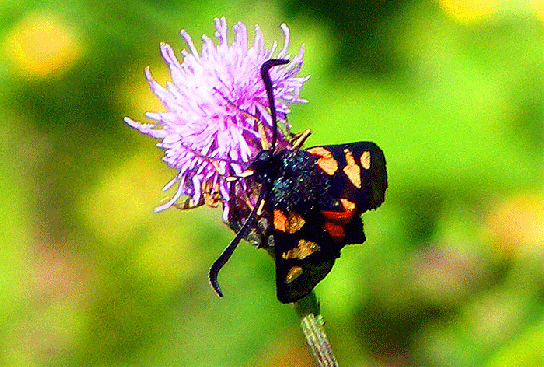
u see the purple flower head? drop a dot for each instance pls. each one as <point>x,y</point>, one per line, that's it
<point>215,104</point>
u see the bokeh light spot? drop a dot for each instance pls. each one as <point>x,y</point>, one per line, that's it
<point>538,5</point>
<point>517,225</point>
<point>468,10</point>
<point>42,46</point>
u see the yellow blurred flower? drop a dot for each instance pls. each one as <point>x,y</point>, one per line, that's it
<point>517,225</point>
<point>468,10</point>
<point>538,5</point>
<point>40,45</point>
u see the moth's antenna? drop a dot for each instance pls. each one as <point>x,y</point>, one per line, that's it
<point>227,253</point>
<point>270,94</point>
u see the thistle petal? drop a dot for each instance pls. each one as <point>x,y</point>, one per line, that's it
<point>214,103</point>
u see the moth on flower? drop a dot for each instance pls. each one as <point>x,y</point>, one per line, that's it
<point>221,132</point>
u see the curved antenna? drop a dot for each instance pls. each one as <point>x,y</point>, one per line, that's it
<point>227,253</point>
<point>270,94</point>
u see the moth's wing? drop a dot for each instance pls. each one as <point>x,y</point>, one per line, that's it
<point>362,174</point>
<point>305,253</point>
<point>358,178</point>
<point>354,231</point>
<point>303,258</point>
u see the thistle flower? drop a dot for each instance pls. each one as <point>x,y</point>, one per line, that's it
<point>216,115</point>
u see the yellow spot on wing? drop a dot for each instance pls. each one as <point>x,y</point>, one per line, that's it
<point>352,170</point>
<point>304,248</point>
<point>293,274</point>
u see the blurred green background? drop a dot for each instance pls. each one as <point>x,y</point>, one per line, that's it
<point>452,273</point>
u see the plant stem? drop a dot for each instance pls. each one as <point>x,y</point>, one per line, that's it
<point>311,323</point>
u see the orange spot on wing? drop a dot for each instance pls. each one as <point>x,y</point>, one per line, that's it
<point>280,220</point>
<point>325,160</point>
<point>290,223</point>
<point>365,160</point>
<point>352,170</point>
<point>348,205</point>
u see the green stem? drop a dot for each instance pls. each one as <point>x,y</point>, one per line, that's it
<point>311,323</point>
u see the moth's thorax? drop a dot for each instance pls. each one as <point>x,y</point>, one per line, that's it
<point>294,181</point>
<point>270,165</point>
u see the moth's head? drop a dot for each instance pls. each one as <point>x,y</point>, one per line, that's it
<point>265,165</point>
